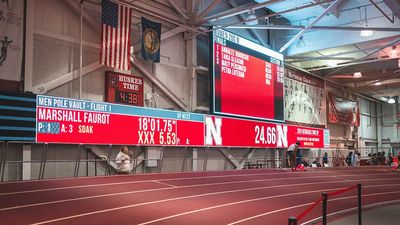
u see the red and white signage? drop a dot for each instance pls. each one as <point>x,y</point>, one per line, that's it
<point>62,120</point>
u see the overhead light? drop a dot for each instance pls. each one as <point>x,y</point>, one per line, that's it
<point>357,75</point>
<point>378,83</point>
<point>393,52</point>
<point>384,99</point>
<point>332,63</point>
<point>366,32</point>
<point>251,19</point>
<point>301,43</point>
<point>391,100</point>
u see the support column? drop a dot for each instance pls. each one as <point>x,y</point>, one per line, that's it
<point>195,159</point>
<point>28,76</point>
<point>26,166</point>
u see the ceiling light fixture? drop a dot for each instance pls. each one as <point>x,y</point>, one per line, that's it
<point>357,75</point>
<point>378,83</point>
<point>391,100</point>
<point>393,52</point>
<point>251,19</point>
<point>332,63</point>
<point>366,32</point>
<point>301,43</point>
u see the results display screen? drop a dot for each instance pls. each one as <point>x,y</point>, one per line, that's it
<point>247,78</point>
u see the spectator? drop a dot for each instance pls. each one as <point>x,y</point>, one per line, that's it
<point>355,159</point>
<point>325,159</point>
<point>348,158</point>
<point>123,160</point>
<point>317,162</point>
<point>291,154</point>
<point>370,159</point>
<point>383,158</point>
<point>305,161</point>
<point>375,160</point>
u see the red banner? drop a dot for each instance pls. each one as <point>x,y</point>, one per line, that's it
<point>343,111</point>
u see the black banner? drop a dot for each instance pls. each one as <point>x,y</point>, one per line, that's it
<point>151,40</point>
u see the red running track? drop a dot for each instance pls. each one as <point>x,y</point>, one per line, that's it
<point>221,197</point>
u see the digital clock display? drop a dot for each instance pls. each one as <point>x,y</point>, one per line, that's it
<point>124,89</point>
<point>126,97</point>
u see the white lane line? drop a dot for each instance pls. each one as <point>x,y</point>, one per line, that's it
<point>184,197</point>
<point>337,213</point>
<point>165,200</point>
<point>163,183</point>
<point>174,179</point>
<point>187,186</point>
<point>331,200</point>
<point>134,182</point>
<point>325,169</point>
<point>240,202</point>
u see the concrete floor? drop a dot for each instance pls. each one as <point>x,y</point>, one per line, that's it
<point>385,215</point>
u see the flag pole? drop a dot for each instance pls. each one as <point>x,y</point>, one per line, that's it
<point>80,50</point>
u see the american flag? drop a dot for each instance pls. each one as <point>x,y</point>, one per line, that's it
<point>115,35</point>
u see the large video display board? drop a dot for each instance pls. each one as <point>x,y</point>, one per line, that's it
<point>247,78</point>
<point>63,120</point>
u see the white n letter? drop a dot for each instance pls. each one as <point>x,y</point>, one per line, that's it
<point>213,132</point>
<point>282,136</point>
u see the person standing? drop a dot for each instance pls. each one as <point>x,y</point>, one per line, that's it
<point>325,159</point>
<point>123,160</point>
<point>291,154</point>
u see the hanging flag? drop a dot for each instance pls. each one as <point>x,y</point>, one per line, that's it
<point>151,40</point>
<point>115,35</point>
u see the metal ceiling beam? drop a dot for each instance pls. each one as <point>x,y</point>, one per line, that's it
<point>160,85</point>
<point>365,57</point>
<point>383,13</point>
<point>205,12</point>
<point>156,15</point>
<point>336,10</point>
<point>293,27</point>
<point>304,59</point>
<point>255,35</point>
<point>264,16</point>
<point>298,35</point>
<point>394,6</point>
<point>238,10</point>
<point>178,9</point>
<point>65,78</point>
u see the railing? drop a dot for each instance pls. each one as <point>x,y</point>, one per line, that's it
<point>73,162</point>
<point>324,200</point>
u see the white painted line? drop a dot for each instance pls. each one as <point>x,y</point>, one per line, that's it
<point>325,169</point>
<point>178,179</point>
<point>163,183</point>
<point>245,201</point>
<point>352,210</point>
<point>187,186</point>
<point>280,210</point>
<point>188,197</point>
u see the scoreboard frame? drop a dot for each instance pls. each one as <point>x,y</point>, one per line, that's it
<point>253,47</point>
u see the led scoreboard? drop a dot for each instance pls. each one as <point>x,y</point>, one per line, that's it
<point>247,78</point>
<point>73,121</point>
